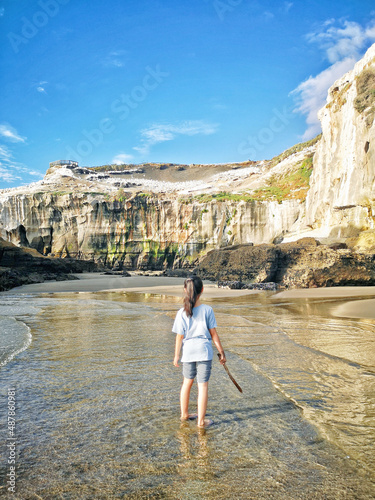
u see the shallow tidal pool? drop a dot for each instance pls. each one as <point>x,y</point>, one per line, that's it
<point>97,400</point>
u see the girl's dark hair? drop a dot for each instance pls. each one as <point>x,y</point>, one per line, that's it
<point>193,287</point>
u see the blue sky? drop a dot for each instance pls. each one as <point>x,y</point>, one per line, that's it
<point>188,81</point>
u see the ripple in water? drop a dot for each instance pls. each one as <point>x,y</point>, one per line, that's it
<point>98,411</point>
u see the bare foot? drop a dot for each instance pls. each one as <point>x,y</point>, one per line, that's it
<point>191,416</point>
<point>206,423</point>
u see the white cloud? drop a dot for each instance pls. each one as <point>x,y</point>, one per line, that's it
<point>268,15</point>
<point>11,170</point>
<point>344,43</point>
<point>5,154</point>
<point>287,6</point>
<point>121,159</point>
<point>167,132</point>
<point>35,173</point>
<point>115,59</point>
<point>7,176</point>
<point>347,39</point>
<point>10,133</point>
<point>40,87</point>
<point>2,11</point>
<point>312,93</point>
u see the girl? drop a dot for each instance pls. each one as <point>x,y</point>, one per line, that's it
<point>195,326</point>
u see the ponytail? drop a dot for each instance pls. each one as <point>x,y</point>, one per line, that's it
<point>193,288</point>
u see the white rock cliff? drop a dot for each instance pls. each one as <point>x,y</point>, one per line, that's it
<point>340,202</point>
<point>155,219</point>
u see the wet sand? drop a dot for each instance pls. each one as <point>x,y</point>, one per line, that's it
<point>162,285</point>
<point>359,308</point>
<point>331,292</point>
<point>95,282</point>
<point>303,427</point>
<point>356,309</point>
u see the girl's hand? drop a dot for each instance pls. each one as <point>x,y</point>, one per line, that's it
<point>175,361</point>
<point>223,359</point>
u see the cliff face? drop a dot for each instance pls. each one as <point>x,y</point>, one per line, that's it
<point>166,215</point>
<point>143,231</point>
<point>341,200</point>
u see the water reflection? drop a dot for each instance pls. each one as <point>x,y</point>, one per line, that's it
<point>195,452</point>
<point>99,412</point>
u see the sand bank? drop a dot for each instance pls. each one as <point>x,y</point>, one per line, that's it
<point>96,282</point>
<point>356,309</point>
<point>360,308</point>
<point>210,291</point>
<point>331,292</point>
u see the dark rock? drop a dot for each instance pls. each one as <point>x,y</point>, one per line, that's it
<point>238,285</point>
<point>123,274</point>
<point>178,273</point>
<point>338,246</point>
<point>304,263</point>
<point>21,266</point>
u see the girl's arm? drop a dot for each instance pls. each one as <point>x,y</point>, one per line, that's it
<point>179,339</point>
<point>219,347</point>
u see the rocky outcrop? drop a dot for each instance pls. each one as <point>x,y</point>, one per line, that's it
<point>20,266</point>
<point>304,263</point>
<point>341,199</point>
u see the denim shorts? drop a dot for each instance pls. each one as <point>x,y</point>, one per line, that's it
<point>199,369</point>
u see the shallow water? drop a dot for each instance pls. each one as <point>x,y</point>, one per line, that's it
<point>97,411</point>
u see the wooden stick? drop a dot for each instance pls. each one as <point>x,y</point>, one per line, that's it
<point>230,376</point>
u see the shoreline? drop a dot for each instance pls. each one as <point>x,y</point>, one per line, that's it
<point>136,283</point>
<point>363,307</point>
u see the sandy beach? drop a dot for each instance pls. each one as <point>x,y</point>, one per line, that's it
<point>96,282</point>
<point>361,307</point>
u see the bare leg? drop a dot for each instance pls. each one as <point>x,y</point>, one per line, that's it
<point>184,397</point>
<point>202,402</point>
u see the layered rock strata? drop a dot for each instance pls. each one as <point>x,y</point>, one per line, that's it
<point>142,232</point>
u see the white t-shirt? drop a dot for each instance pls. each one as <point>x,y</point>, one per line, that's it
<point>197,342</point>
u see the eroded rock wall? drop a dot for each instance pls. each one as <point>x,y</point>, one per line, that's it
<point>145,231</point>
<point>341,199</point>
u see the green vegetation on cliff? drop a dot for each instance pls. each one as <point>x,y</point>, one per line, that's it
<point>293,185</point>
<point>222,196</point>
<point>294,149</point>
